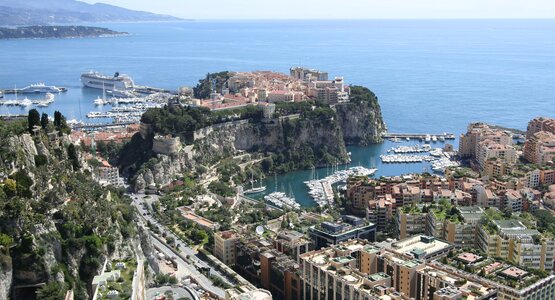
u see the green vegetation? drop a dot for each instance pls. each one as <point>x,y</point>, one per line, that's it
<point>52,291</point>
<point>124,283</point>
<point>183,122</point>
<point>222,189</point>
<point>212,82</point>
<point>49,206</point>
<point>163,279</point>
<point>545,221</point>
<point>33,119</point>
<point>360,94</point>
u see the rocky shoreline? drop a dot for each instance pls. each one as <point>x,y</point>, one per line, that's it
<point>59,32</point>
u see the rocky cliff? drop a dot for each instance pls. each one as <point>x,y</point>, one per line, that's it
<point>301,142</point>
<point>306,136</point>
<point>56,224</point>
<point>361,118</point>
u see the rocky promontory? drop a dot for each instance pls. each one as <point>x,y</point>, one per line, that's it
<point>298,136</point>
<point>44,32</point>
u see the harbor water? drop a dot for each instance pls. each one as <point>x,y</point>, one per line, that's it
<point>431,76</point>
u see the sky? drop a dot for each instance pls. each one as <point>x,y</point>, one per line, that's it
<point>343,9</point>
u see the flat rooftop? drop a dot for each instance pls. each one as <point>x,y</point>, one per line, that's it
<point>420,246</point>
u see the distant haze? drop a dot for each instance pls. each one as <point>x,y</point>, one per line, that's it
<point>343,9</point>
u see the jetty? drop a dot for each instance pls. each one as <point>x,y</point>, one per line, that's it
<point>418,136</point>
<point>153,90</point>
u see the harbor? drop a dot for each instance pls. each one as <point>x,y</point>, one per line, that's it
<point>321,190</point>
<point>419,136</point>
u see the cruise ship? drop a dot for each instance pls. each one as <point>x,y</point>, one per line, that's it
<point>119,82</point>
<point>40,88</point>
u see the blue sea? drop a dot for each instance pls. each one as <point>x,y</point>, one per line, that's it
<point>431,76</point>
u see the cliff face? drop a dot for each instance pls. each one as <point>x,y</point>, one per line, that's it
<point>361,118</point>
<point>56,223</point>
<point>308,134</point>
<point>361,124</point>
<point>319,142</point>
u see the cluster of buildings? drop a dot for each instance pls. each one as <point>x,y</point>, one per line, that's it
<point>266,87</point>
<point>420,267</point>
<point>499,178</point>
<point>540,141</point>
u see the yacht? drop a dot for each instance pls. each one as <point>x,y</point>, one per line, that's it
<point>26,102</point>
<point>49,97</point>
<point>40,88</point>
<point>96,80</point>
<point>99,101</point>
<point>427,138</point>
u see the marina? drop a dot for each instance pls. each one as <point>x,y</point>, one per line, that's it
<point>26,102</point>
<point>281,200</point>
<point>418,136</point>
<point>321,191</point>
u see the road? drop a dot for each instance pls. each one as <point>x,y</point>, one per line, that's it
<point>188,263</point>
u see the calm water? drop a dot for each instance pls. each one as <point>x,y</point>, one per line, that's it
<point>430,76</point>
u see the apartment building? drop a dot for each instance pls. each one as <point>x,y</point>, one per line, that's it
<point>511,240</point>
<point>225,246</point>
<point>292,243</point>
<point>540,148</point>
<point>489,150</point>
<point>540,124</point>
<point>411,220</point>
<point>351,227</point>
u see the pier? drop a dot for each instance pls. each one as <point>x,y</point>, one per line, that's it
<point>418,136</point>
<point>151,90</point>
<point>20,91</point>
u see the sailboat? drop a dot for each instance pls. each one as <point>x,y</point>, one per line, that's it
<point>254,190</point>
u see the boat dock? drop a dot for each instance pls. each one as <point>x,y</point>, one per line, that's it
<point>417,136</point>
<point>20,91</point>
<point>152,90</point>
<point>321,191</point>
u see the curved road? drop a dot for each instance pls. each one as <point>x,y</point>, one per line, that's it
<point>185,268</point>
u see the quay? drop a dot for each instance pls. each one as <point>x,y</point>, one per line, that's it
<point>152,90</point>
<point>418,136</point>
<point>20,91</point>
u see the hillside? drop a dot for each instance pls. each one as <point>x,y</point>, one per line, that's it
<point>57,225</point>
<point>42,12</point>
<point>41,32</point>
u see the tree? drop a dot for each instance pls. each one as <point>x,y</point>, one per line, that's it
<point>44,121</point>
<point>33,119</point>
<point>507,212</point>
<point>72,155</point>
<point>57,119</point>
<point>52,291</point>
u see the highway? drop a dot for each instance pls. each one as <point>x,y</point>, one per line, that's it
<point>186,257</point>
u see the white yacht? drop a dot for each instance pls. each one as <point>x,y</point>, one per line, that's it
<point>40,88</point>
<point>26,102</point>
<point>97,80</point>
<point>99,101</point>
